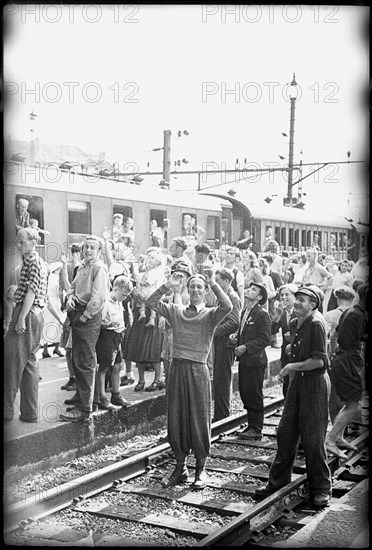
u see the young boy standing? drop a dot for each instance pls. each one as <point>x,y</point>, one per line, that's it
<point>108,344</point>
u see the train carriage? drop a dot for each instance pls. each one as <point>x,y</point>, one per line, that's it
<point>293,228</point>
<point>71,205</point>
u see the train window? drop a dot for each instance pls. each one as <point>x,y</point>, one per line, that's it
<point>125,211</point>
<point>317,241</point>
<point>35,209</point>
<point>297,239</point>
<point>325,241</point>
<point>79,218</point>
<point>283,240</point>
<point>290,237</point>
<point>189,225</point>
<point>303,238</point>
<point>277,234</point>
<point>213,228</point>
<point>159,228</point>
<point>340,240</point>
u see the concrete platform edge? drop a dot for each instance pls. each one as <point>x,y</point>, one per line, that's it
<point>64,441</point>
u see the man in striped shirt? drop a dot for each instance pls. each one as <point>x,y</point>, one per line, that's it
<point>21,369</point>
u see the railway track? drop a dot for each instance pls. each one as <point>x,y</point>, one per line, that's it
<point>124,503</point>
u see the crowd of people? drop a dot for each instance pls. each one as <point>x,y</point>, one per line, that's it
<point>187,312</point>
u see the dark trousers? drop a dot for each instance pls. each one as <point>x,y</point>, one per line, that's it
<point>84,339</point>
<point>251,392</point>
<point>305,415</point>
<point>189,400</point>
<point>222,378</point>
<point>21,369</point>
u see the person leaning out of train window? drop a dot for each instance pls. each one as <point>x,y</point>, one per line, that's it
<point>22,214</point>
<point>117,227</point>
<point>128,235</point>
<point>246,241</point>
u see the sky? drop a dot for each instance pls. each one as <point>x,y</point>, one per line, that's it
<point>113,78</point>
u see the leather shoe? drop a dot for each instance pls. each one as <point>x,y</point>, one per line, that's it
<point>155,386</point>
<point>29,420</point>
<point>119,401</point>
<point>72,400</point>
<point>105,405</point>
<point>250,434</point>
<point>126,381</point>
<point>70,385</point>
<point>178,476</point>
<point>75,416</point>
<point>322,499</point>
<point>264,492</point>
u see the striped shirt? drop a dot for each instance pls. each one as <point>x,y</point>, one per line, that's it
<point>34,275</point>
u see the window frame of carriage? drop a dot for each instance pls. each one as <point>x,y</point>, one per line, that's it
<point>35,210</point>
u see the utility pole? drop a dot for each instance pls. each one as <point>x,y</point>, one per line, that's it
<point>166,156</point>
<point>292,92</point>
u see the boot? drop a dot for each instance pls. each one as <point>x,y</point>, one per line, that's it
<point>179,475</point>
<point>200,474</point>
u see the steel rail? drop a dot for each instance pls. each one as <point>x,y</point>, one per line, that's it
<point>57,498</point>
<point>271,508</point>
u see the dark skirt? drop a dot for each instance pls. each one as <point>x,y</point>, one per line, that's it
<point>143,344</point>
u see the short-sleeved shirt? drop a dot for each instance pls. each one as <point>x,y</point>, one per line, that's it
<point>352,328</point>
<point>308,341</point>
<point>316,275</point>
<point>113,312</point>
<point>34,275</point>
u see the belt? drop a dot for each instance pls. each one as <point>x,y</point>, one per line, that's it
<point>314,372</point>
